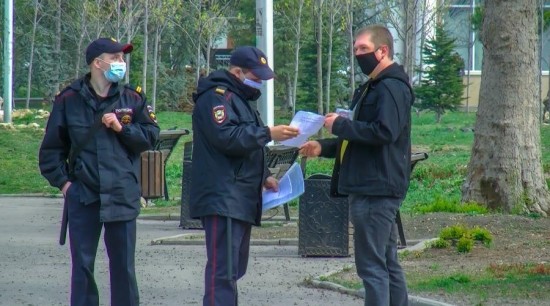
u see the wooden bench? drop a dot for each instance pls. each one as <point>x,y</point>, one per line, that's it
<point>166,144</point>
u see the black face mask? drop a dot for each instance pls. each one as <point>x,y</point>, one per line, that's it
<point>367,62</point>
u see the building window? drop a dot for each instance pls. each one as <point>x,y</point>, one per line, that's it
<point>457,24</point>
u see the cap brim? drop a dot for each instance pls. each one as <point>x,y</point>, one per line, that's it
<point>127,48</point>
<point>264,73</point>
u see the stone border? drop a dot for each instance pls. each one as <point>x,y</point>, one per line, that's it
<point>198,239</point>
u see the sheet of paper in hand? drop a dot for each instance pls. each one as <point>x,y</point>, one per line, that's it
<point>308,123</point>
<point>291,186</point>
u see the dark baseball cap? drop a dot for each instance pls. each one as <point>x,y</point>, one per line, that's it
<point>253,59</point>
<point>105,45</point>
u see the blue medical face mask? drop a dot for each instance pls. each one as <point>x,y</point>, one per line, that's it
<point>253,84</point>
<point>116,71</point>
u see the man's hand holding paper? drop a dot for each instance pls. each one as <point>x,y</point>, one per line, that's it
<point>283,132</point>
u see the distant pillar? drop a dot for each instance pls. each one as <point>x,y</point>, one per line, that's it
<point>8,59</point>
<point>264,41</point>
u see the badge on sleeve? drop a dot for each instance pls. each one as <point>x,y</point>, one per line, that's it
<point>219,113</point>
<point>152,113</point>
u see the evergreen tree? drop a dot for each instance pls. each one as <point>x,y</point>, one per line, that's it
<point>441,88</point>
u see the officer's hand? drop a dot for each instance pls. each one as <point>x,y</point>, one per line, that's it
<point>311,149</point>
<point>110,121</point>
<point>283,132</point>
<point>329,121</point>
<point>65,188</point>
<point>271,183</point>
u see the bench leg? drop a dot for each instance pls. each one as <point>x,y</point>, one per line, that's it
<point>402,241</point>
<point>287,212</point>
<point>165,186</point>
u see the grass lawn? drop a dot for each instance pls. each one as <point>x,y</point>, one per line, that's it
<point>435,182</point>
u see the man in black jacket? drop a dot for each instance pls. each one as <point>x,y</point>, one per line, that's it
<point>229,168</point>
<point>101,186</point>
<point>372,165</point>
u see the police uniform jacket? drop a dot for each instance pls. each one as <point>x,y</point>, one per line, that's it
<point>229,167</point>
<point>107,167</point>
<point>377,158</point>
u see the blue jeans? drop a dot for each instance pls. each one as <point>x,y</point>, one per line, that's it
<point>375,242</point>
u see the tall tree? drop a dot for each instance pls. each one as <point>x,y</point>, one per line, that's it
<point>505,170</point>
<point>442,88</point>
<point>318,17</point>
<point>145,46</point>
<point>36,20</point>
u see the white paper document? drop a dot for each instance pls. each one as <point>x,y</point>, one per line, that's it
<point>308,123</point>
<point>291,186</point>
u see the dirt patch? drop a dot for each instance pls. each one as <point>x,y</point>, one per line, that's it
<point>516,240</point>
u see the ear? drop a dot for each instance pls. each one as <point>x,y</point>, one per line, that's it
<point>95,63</point>
<point>383,51</point>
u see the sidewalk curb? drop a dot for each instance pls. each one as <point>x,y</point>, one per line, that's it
<point>198,239</point>
<point>32,195</point>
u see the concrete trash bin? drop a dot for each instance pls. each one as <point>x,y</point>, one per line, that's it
<point>323,223</point>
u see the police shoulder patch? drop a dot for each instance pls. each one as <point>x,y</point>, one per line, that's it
<point>152,115</point>
<point>219,114</point>
<point>220,90</point>
<point>136,89</point>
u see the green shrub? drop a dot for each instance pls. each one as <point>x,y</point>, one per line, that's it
<point>482,234</point>
<point>454,232</point>
<point>465,244</point>
<point>440,244</point>
<point>463,237</point>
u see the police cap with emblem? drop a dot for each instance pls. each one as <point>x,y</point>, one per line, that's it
<point>253,59</point>
<point>105,45</point>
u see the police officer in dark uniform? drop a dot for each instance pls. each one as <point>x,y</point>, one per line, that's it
<point>102,188</point>
<point>229,168</point>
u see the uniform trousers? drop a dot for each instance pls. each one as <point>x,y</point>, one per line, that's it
<point>120,243</point>
<point>375,243</point>
<point>227,249</point>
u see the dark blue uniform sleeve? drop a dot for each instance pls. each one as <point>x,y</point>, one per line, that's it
<point>390,120</point>
<point>215,115</point>
<point>143,133</point>
<point>54,150</point>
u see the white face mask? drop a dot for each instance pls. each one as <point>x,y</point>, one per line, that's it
<point>116,71</point>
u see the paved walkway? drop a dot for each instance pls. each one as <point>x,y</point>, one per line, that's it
<point>34,269</point>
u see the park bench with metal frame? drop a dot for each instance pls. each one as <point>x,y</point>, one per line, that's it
<point>168,140</point>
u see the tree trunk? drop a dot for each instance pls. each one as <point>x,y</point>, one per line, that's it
<point>332,16</point>
<point>297,55</point>
<point>409,46</point>
<point>351,52</point>
<point>155,67</point>
<point>57,51</point>
<point>319,42</point>
<point>78,55</point>
<point>505,170</point>
<point>288,90</point>
<point>145,46</point>
<point>31,57</point>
